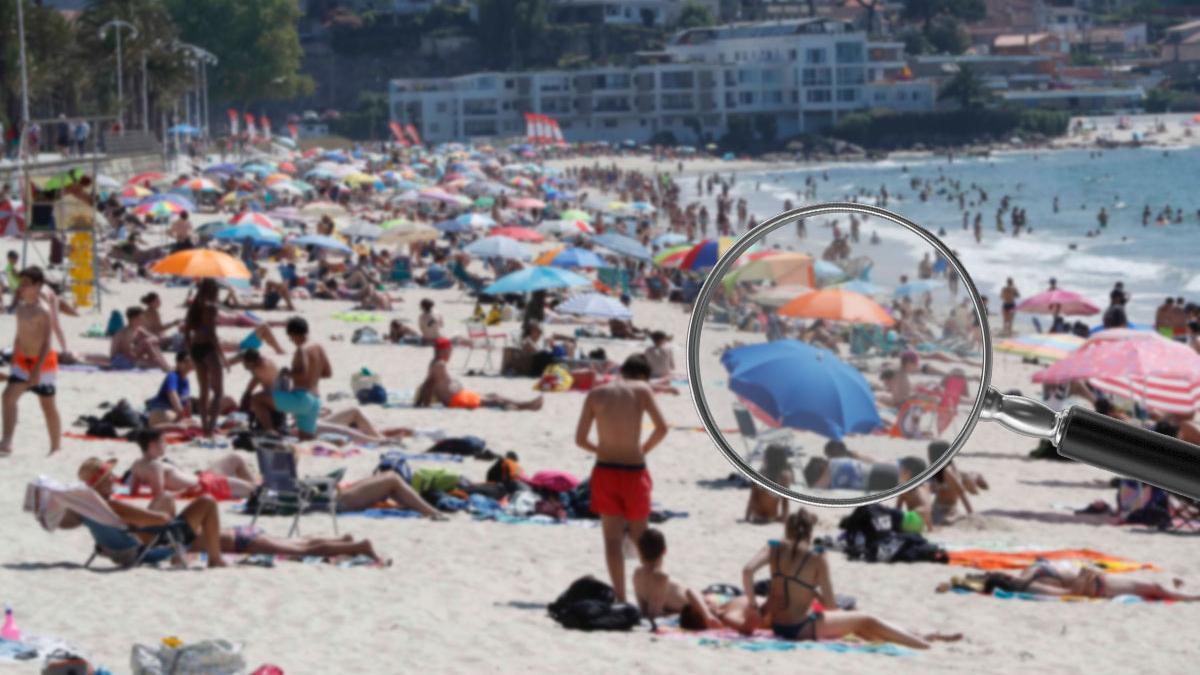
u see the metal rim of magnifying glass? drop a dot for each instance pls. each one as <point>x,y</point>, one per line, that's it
<point>700,309</point>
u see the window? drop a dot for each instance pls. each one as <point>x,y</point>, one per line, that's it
<point>795,97</point>
<point>508,84</point>
<point>676,101</point>
<point>771,77</point>
<point>817,76</point>
<point>730,78</point>
<point>814,55</point>
<point>851,75</point>
<point>479,128</point>
<point>618,81</point>
<point>746,76</point>
<point>730,102</point>
<point>792,54</point>
<point>817,96</point>
<point>850,52</point>
<point>479,106</point>
<point>677,80</point>
<point>847,95</point>
<point>770,97</point>
<point>746,97</point>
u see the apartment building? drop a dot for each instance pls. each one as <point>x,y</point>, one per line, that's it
<point>800,75</point>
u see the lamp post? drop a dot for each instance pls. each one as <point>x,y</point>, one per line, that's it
<point>24,129</point>
<point>118,25</point>
<point>201,60</point>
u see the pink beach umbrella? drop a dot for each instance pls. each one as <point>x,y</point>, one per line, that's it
<point>254,218</point>
<point>1163,394</point>
<point>1072,303</point>
<point>1124,353</point>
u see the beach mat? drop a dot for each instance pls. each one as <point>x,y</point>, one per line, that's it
<point>1001,560</point>
<point>1036,597</point>
<point>765,641</point>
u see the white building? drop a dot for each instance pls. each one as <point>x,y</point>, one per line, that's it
<point>795,77</point>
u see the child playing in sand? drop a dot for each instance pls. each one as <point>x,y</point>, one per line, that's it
<point>764,506</point>
<point>657,594</point>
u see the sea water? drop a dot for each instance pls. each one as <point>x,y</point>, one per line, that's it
<point>1154,261</point>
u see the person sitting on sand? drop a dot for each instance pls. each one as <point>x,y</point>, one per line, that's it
<point>226,478</point>
<point>153,322</point>
<point>799,576</point>
<point>623,329</point>
<point>764,506</point>
<point>132,347</point>
<point>201,517</point>
<point>657,594</point>
<point>440,386</point>
<point>384,489</point>
<point>172,405</point>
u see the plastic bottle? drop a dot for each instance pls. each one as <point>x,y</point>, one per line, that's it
<point>10,631</point>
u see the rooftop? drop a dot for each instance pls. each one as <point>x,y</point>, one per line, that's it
<point>1020,40</point>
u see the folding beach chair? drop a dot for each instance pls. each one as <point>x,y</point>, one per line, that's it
<point>473,285</point>
<point>479,339</point>
<point>283,491</point>
<point>402,272</point>
<point>750,433</point>
<point>125,550</point>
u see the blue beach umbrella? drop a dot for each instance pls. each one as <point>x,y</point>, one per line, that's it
<point>577,257</point>
<point>321,241</point>
<point>626,246</point>
<point>916,288</point>
<point>827,272</point>
<point>261,236</point>
<point>862,287</point>
<point>595,304</point>
<point>498,247</point>
<point>794,384</point>
<point>536,278</point>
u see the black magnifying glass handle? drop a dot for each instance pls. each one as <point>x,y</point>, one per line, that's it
<point>1089,437</point>
<point>1126,450</point>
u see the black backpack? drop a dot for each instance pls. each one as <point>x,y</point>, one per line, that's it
<point>590,604</point>
<point>468,446</point>
<point>866,527</point>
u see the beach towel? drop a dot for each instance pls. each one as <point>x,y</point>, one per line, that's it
<point>1000,560</point>
<point>764,640</point>
<point>1035,597</point>
<point>383,514</point>
<point>49,500</point>
<point>358,317</point>
<point>90,368</point>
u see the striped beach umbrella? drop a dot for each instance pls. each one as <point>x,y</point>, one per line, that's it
<point>12,218</point>
<point>256,218</point>
<point>704,256</point>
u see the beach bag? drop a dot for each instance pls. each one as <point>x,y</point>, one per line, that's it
<point>865,527</point>
<point>555,378</point>
<point>375,394</point>
<point>115,323</point>
<point>590,604</point>
<point>554,481</point>
<point>504,470</point>
<point>580,502</point>
<point>363,379</point>
<point>395,461</point>
<point>211,657</point>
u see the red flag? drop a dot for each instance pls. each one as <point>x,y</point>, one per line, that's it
<point>412,133</point>
<point>543,129</point>
<point>398,133</point>
<point>233,122</point>
<point>251,133</point>
<point>266,127</point>
<point>293,130</point>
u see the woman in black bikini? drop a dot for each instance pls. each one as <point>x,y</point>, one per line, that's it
<point>200,334</point>
<point>798,577</point>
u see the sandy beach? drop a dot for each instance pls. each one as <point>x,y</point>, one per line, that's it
<point>465,595</point>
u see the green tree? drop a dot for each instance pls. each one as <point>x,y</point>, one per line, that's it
<point>925,11</point>
<point>509,30</point>
<point>694,15</point>
<point>56,82</point>
<point>966,89</point>
<point>872,7</point>
<point>256,42</point>
<point>946,35</point>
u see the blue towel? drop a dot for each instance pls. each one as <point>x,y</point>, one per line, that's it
<point>382,514</point>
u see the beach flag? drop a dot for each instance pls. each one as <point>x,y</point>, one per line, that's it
<point>233,122</point>
<point>556,131</point>
<point>412,133</point>
<point>251,132</point>
<point>266,127</point>
<point>293,130</point>
<point>398,133</point>
<point>529,126</point>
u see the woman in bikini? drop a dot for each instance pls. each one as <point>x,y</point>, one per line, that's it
<point>764,506</point>
<point>200,334</point>
<point>798,577</point>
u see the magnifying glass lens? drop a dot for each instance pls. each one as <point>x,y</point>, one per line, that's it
<point>839,356</point>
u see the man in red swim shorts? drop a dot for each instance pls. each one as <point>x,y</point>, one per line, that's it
<point>620,483</point>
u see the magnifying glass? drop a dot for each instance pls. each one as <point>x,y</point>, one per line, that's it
<point>839,355</point>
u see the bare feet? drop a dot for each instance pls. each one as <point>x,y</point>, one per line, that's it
<point>943,637</point>
<point>216,562</point>
<point>437,517</point>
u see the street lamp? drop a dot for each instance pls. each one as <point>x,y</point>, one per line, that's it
<point>201,60</point>
<point>117,25</point>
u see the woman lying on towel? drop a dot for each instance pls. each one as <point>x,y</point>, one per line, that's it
<point>799,576</point>
<point>1059,578</point>
<point>227,478</point>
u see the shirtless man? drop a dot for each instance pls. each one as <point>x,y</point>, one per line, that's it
<point>1009,295</point>
<point>134,346</point>
<point>440,386</point>
<point>34,363</point>
<point>258,395</point>
<point>226,478</point>
<point>181,232</point>
<point>657,593</point>
<point>310,365</point>
<point>620,483</point>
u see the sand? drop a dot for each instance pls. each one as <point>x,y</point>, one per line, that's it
<point>468,596</point>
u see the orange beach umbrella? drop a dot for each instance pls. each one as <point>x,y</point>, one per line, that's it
<point>202,262</point>
<point>836,304</point>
